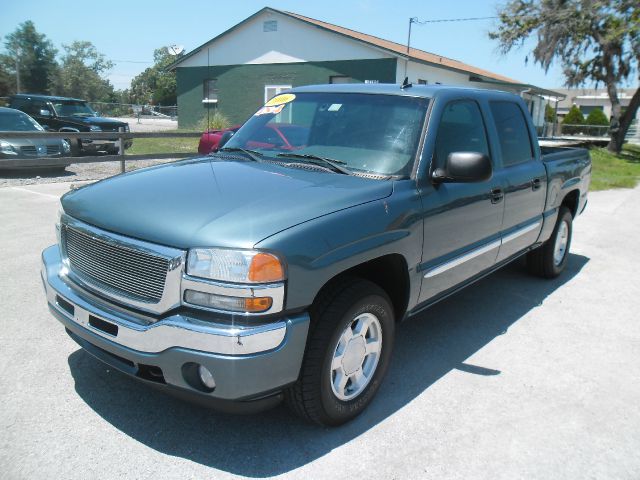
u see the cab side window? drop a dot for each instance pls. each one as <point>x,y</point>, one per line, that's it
<point>513,133</point>
<point>461,129</point>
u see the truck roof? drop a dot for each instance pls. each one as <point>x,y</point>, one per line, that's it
<point>50,98</point>
<point>426,91</point>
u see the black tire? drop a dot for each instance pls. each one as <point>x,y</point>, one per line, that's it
<point>76,149</point>
<point>541,261</point>
<point>312,396</point>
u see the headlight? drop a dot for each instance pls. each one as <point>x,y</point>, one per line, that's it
<point>237,266</point>
<point>95,128</point>
<point>66,148</point>
<point>7,148</point>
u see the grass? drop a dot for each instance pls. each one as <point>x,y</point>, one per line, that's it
<point>143,146</point>
<point>615,171</point>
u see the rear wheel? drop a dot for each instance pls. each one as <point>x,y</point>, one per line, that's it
<point>550,259</point>
<point>347,353</point>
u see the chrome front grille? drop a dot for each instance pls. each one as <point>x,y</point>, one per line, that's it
<point>53,149</point>
<point>115,268</point>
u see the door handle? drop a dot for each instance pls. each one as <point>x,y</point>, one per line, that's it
<point>536,183</point>
<point>496,195</point>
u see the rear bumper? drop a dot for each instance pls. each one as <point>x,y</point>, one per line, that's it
<point>246,363</point>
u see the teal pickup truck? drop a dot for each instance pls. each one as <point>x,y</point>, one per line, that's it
<point>277,269</point>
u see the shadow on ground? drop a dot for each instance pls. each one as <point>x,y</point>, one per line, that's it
<point>427,348</point>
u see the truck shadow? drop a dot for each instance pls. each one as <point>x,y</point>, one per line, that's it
<point>274,442</point>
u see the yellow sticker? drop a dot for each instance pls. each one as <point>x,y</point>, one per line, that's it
<point>280,100</point>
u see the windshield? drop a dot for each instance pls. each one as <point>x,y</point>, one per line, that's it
<point>73,108</point>
<point>364,133</point>
<point>18,122</point>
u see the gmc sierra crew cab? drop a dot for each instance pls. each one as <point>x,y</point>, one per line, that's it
<point>277,270</point>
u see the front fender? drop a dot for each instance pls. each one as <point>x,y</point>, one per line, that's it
<point>318,250</point>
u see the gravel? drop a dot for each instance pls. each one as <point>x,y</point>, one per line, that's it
<point>78,172</point>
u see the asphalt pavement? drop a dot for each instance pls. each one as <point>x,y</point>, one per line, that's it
<point>515,377</point>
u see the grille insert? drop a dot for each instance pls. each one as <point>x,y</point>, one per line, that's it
<point>114,268</point>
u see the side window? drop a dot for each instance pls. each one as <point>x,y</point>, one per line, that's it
<point>461,129</point>
<point>34,107</point>
<point>513,133</point>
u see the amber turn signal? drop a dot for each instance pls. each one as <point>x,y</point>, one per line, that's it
<point>265,268</point>
<point>257,304</point>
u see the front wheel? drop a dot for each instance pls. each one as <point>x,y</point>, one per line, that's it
<point>550,259</point>
<point>347,353</point>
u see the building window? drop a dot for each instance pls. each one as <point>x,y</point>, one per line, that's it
<point>210,91</point>
<point>271,91</point>
<point>270,26</point>
<point>339,79</point>
<point>422,81</point>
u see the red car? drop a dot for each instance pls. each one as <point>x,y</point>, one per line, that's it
<point>210,139</point>
<point>273,135</point>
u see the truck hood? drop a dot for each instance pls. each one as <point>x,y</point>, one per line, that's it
<point>206,202</point>
<point>108,123</point>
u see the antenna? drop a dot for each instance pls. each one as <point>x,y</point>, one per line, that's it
<point>175,49</point>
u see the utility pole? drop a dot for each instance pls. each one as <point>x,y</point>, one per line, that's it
<point>412,20</point>
<point>18,53</point>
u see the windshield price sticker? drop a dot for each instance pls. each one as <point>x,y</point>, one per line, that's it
<point>280,100</point>
<point>334,107</point>
<point>269,110</point>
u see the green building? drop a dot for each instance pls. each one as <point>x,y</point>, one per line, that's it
<point>273,51</point>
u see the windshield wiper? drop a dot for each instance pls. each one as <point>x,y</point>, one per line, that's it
<point>331,163</point>
<point>252,154</point>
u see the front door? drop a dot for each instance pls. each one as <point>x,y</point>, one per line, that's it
<point>461,220</point>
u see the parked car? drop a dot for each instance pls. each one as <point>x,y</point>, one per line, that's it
<point>257,274</point>
<point>273,136</point>
<point>211,138</point>
<point>63,114</point>
<point>12,120</point>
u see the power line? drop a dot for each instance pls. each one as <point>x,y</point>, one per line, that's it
<point>130,61</point>
<point>422,22</point>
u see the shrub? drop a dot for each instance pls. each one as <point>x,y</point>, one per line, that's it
<point>216,121</point>
<point>574,117</point>
<point>597,117</point>
<point>549,114</point>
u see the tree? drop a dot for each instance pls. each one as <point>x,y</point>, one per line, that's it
<point>156,85</point>
<point>81,73</point>
<point>594,40</point>
<point>35,57</point>
<point>597,117</point>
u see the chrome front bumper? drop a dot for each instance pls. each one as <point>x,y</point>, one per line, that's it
<point>268,355</point>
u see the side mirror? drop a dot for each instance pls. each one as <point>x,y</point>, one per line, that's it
<point>226,136</point>
<point>464,167</point>
<point>45,113</point>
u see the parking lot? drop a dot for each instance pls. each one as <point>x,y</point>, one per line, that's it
<point>515,377</point>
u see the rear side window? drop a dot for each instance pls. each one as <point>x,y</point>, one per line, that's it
<point>513,133</point>
<point>461,130</point>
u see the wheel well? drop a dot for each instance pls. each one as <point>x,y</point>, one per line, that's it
<point>571,201</point>
<point>389,272</point>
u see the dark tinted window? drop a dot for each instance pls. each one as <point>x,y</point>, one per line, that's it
<point>461,130</point>
<point>513,133</point>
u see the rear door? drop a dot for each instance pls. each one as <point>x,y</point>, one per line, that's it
<point>461,220</point>
<point>524,177</point>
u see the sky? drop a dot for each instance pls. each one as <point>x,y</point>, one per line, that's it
<point>127,32</point>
